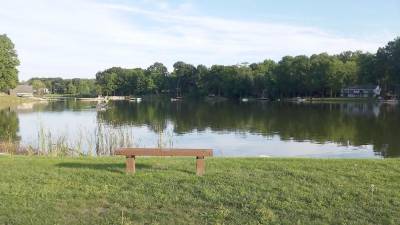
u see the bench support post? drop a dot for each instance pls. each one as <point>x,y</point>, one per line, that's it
<point>130,164</point>
<point>200,165</point>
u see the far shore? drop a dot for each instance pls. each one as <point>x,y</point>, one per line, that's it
<point>10,101</point>
<point>7,100</point>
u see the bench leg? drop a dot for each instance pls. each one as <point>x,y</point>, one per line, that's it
<point>130,164</point>
<point>200,166</point>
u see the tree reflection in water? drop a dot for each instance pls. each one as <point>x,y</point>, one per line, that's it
<point>349,124</point>
<point>9,126</point>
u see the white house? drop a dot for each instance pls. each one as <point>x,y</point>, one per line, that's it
<point>361,91</point>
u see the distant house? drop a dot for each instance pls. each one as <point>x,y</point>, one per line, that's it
<point>361,91</point>
<point>22,91</point>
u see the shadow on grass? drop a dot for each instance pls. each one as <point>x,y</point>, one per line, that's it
<point>112,167</point>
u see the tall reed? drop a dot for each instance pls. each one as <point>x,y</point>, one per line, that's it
<point>103,140</point>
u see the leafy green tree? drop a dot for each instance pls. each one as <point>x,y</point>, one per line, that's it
<point>320,71</point>
<point>285,76</point>
<point>212,81</point>
<point>388,65</point>
<point>366,73</point>
<point>264,79</point>
<point>187,79</point>
<point>108,80</point>
<point>71,89</point>
<point>8,64</point>
<point>158,74</point>
<point>37,84</point>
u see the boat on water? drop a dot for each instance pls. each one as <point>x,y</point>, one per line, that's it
<point>178,96</point>
<point>135,99</point>
<point>244,99</point>
<point>176,99</point>
<point>298,99</point>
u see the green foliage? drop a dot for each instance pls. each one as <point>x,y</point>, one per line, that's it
<point>119,81</point>
<point>9,125</point>
<point>76,87</point>
<point>36,190</point>
<point>8,64</point>
<point>320,75</point>
<point>38,84</point>
<point>388,66</point>
<point>157,73</point>
<point>7,101</point>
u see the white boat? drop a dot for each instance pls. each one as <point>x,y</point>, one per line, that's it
<point>135,99</point>
<point>178,95</point>
<point>176,99</point>
<point>298,99</point>
<point>245,99</point>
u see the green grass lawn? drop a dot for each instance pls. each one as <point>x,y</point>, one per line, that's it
<point>35,190</point>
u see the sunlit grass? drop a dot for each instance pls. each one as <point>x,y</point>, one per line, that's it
<point>38,190</point>
<point>8,101</point>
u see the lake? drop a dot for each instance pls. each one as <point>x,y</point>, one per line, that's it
<point>231,128</point>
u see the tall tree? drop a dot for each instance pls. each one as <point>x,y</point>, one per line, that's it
<point>8,64</point>
<point>388,65</point>
<point>158,73</point>
<point>38,84</point>
<point>187,80</point>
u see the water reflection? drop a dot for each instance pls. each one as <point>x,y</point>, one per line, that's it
<point>232,128</point>
<point>9,125</point>
<point>347,124</point>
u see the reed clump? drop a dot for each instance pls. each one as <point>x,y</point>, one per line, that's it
<point>102,141</point>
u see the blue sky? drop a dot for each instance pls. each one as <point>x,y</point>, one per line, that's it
<point>343,16</point>
<point>77,38</point>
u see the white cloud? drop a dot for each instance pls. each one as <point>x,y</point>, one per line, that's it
<point>72,38</point>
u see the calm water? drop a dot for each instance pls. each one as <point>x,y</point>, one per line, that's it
<point>274,129</point>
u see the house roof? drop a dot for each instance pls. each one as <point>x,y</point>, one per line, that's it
<point>23,89</point>
<point>366,86</point>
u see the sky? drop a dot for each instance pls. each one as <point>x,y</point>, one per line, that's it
<point>78,38</point>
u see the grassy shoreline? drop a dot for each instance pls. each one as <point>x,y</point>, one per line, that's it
<point>40,190</point>
<point>11,101</point>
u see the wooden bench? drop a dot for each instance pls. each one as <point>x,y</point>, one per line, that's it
<point>131,153</point>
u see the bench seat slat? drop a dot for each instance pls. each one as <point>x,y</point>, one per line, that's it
<point>163,152</point>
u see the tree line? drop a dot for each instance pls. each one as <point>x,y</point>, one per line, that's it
<point>73,87</point>
<point>320,75</point>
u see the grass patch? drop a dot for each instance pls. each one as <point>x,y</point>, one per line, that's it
<point>9,101</point>
<point>38,190</point>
